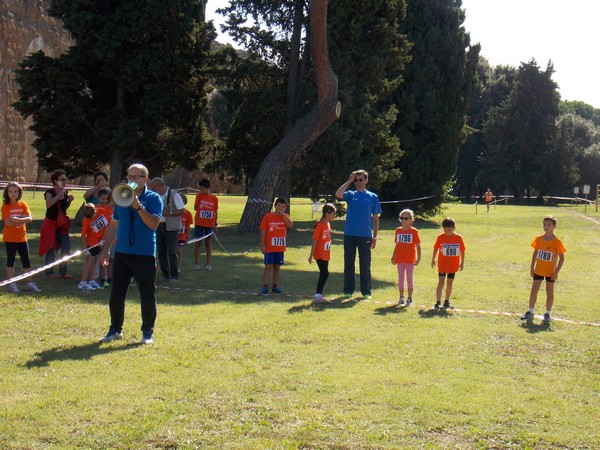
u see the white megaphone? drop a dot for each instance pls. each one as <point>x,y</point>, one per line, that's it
<point>123,194</point>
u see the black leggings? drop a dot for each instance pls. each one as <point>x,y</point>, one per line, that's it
<point>323,274</point>
<point>11,253</point>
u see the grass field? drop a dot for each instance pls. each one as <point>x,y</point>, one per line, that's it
<point>230,369</point>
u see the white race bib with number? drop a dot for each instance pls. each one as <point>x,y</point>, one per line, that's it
<point>98,224</point>
<point>403,238</point>
<point>206,214</point>
<point>450,249</point>
<point>327,246</point>
<point>278,242</point>
<point>544,255</point>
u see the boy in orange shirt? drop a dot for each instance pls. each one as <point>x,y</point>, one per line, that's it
<point>547,260</point>
<point>206,206</point>
<point>451,259</point>
<point>273,232</point>
<point>94,224</point>
<point>407,254</point>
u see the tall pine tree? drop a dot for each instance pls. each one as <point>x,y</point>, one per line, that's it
<point>432,101</point>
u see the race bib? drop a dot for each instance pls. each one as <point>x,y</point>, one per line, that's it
<point>450,249</point>
<point>278,242</point>
<point>544,255</point>
<point>182,230</point>
<point>206,214</point>
<point>327,246</point>
<point>98,224</point>
<point>404,238</point>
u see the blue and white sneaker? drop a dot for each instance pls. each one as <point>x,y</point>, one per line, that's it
<point>546,318</point>
<point>95,284</point>
<point>112,335</point>
<point>276,290</point>
<point>147,338</point>
<point>527,316</point>
<point>264,291</point>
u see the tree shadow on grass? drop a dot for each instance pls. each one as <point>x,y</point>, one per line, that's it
<point>75,353</point>
<point>336,303</point>
<point>431,313</point>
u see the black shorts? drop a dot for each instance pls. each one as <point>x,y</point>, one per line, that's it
<point>449,275</point>
<point>95,251</point>
<point>539,277</point>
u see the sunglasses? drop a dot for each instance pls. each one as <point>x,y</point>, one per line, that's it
<point>359,180</point>
<point>404,218</point>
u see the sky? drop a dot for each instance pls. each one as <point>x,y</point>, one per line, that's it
<point>515,31</point>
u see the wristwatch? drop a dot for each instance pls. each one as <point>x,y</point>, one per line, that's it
<point>140,207</point>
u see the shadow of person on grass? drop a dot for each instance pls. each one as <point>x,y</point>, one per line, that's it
<point>75,353</point>
<point>431,313</point>
<point>392,309</point>
<point>534,328</point>
<point>335,303</point>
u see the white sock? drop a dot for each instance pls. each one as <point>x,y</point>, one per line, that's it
<point>531,310</point>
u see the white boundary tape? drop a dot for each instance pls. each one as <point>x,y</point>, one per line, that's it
<point>55,263</point>
<point>422,307</point>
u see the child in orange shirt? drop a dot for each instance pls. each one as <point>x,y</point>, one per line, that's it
<point>94,224</point>
<point>320,250</point>
<point>547,260</point>
<point>206,206</point>
<point>273,233</point>
<point>105,202</point>
<point>407,254</point>
<point>184,231</point>
<point>15,214</point>
<point>451,259</point>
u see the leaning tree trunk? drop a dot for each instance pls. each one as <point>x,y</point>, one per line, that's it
<point>304,132</point>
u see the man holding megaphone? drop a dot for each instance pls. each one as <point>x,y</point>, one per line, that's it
<point>136,216</point>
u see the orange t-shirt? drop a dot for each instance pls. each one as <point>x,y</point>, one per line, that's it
<point>93,229</point>
<point>186,221</point>
<point>488,196</point>
<point>276,232</point>
<point>206,206</point>
<point>322,235</point>
<point>406,245</point>
<point>14,233</point>
<point>450,248</point>
<point>546,255</point>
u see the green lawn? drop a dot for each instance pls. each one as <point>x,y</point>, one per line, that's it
<point>230,369</point>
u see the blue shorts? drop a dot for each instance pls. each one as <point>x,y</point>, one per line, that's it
<point>202,231</point>
<point>275,258</point>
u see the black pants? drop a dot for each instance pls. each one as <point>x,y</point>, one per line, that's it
<point>143,270</point>
<point>323,274</point>
<point>363,244</point>
<point>166,247</point>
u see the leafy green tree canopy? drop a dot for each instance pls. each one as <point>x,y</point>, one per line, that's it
<point>131,88</point>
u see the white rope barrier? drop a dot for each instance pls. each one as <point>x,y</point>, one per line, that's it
<point>47,266</point>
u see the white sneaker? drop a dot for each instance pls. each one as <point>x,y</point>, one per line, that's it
<point>320,299</point>
<point>208,267</point>
<point>84,286</point>
<point>31,287</point>
<point>12,287</point>
<point>196,266</point>
<point>94,284</point>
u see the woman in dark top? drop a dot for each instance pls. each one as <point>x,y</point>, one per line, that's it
<point>52,236</point>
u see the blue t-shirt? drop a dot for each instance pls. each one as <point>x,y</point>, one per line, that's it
<point>359,215</point>
<point>144,238</point>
